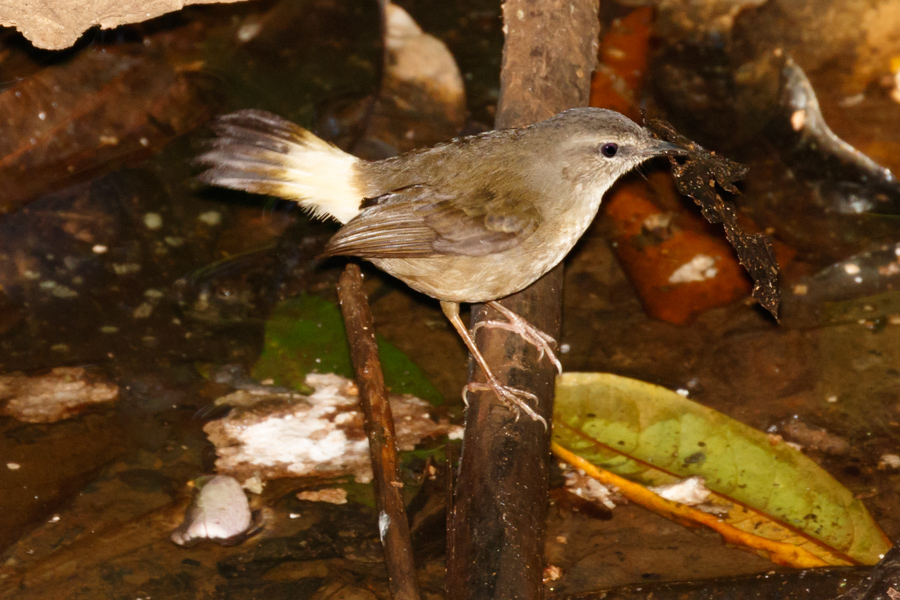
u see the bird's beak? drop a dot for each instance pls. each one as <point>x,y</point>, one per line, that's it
<point>663,148</point>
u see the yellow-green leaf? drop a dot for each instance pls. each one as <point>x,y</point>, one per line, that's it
<point>650,434</point>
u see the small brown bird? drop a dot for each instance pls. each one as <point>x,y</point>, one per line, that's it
<point>472,220</point>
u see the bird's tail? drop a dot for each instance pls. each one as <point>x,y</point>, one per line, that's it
<point>259,152</point>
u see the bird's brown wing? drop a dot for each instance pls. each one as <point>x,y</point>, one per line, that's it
<point>418,221</point>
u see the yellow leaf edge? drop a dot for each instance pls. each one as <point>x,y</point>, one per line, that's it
<point>780,553</point>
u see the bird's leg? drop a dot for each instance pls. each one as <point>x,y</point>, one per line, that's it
<point>508,395</point>
<point>526,330</point>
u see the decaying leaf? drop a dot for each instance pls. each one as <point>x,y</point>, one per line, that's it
<point>53,396</point>
<point>697,177</point>
<point>652,435</point>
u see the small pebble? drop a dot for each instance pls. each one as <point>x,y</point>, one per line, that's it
<point>153,221</point>
<point>211,218</point>
<point>891,461</point>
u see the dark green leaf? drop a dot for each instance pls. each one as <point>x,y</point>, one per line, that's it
<point>306,334</point>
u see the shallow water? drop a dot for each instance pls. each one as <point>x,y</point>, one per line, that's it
<point>132,270</point>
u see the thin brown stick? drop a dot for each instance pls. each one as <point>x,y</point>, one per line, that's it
<point>495,546</point>
<point>392,523</point>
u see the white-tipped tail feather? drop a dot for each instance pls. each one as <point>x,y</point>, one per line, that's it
<point>259,152</point>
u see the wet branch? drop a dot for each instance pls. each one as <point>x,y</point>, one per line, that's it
<point>392,522</point>
<point>495,544</point>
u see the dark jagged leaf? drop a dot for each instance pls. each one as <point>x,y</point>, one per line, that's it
<point>697,177</point>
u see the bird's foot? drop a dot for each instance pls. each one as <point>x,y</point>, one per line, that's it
<point>528,332</point>
<point>517,400</point>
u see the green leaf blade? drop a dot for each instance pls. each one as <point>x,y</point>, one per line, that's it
<point>306,334</point>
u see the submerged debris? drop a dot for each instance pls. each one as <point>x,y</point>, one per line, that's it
<point>269,435</point>
<point>860,289</point>
<point>854,183</point>
<point>875,271</point>
<point>814,438</point>
<point>697,177</point>
<point>57,395</point>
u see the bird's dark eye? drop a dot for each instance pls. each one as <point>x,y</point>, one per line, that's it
<point>609,150</point>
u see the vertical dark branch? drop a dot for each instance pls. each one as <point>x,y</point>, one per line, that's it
<point>392,523</point>
<point>496,539</point>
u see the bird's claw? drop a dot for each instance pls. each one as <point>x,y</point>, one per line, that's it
<point>541,341</point>
<point>514,398</point>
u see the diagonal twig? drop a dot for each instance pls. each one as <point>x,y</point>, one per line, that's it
<point>393,526</point>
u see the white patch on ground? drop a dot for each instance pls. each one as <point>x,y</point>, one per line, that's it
<point>270,434</point>
<point>691,491</point>
<point>384,521</point>
<point>851,268</point>
<point>299,441</point>
<point>248,31</point>
<point>699,268</point>
<point>657,222</point>
<point>584,486</point>
<point>889,461</point>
